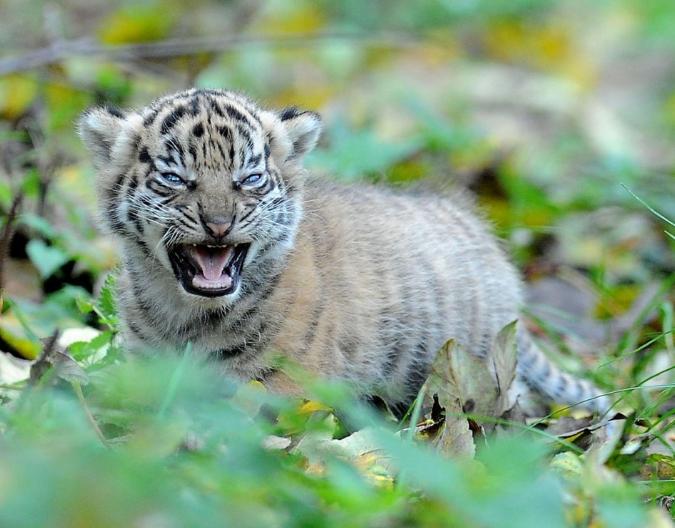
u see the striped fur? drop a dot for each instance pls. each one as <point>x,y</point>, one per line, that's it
<point>352,282</point>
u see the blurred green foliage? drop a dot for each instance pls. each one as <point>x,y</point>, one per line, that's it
<point>545,109</point>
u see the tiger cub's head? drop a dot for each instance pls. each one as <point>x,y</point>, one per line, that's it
<point>203,181</point>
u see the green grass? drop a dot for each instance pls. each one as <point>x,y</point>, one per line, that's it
<point>117,441</point>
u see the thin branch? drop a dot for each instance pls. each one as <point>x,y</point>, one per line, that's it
<point>77,388</point>
<point>59,51</point>
<point>6,236</point>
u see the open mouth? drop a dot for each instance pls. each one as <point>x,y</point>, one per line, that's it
<point>208,270</point>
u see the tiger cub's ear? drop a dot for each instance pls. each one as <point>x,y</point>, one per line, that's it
<point>303,129</point>
<point>106,132</point>
<point>292,133</point>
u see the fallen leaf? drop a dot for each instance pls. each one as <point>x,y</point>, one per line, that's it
<point>13,369</point>
<point>444,386</point>
<point>605,437</point>
<point>504,356</point>
<point>568,465</point>
<point>276,443</point>
<point>661,467</point>
<point>360,448</point>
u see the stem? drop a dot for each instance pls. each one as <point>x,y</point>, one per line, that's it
<point>6,236</point>
<point>90,417</point>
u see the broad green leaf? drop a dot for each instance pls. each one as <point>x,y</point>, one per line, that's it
<point>47,259</point>
<point>39,224</point>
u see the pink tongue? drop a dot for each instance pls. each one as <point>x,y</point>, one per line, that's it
<point>212,261</point>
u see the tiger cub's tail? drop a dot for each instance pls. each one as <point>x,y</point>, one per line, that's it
<point>545,378</point>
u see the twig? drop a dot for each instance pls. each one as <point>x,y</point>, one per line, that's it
<point>59,51</point>
<point>77,389</point>
<point>43,362</point>
<point>6,236</point>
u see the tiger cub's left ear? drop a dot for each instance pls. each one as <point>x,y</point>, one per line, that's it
<point>292,133</point>
<point>303,129</point>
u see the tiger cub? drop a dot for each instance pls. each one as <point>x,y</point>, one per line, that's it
<point>228,244</point>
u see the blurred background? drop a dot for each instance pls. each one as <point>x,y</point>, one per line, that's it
<point>560,115</point>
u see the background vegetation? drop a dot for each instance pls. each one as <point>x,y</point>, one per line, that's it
<point>560,115</point>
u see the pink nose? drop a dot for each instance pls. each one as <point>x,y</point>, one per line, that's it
<point>218,229</point>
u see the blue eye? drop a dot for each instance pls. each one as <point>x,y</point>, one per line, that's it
<point>252,179</point>
<point>172,178</point>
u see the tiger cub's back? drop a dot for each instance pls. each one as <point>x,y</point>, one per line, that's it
<point>393,276</point>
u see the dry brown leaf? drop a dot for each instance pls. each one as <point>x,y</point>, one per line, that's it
<point>504,356</point>
<point>605,437</point>
<point>454,437</point>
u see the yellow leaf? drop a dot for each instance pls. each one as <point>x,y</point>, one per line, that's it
<point>313,95</point>
<point>136,24</point>
<point>568,465</point>
<point>381,481</point>
<point>17,92</point>
<point>293,18</point>
<point>14,334</point>
<point>311,406</point>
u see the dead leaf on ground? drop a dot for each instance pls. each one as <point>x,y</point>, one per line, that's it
<point>459,383</point>
<point>276,443</point>
<point>360,448</point>
<point>13,369</point>
<point>444,385</point>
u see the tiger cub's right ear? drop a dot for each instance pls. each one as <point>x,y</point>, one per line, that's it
<point>106,132</point>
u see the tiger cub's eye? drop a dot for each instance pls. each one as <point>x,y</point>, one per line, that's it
<point>172,178</point>
<point>252,180</point>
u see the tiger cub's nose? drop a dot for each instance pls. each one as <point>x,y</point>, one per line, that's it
<point>217,226</point>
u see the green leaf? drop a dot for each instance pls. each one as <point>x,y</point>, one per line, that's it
<point>106,307</point>
<point>5,194</point>
<point>31,183</point>
<point>39,224</point>
<point>47,259</point>
<point>84,305</point>
<point>82,350</point>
